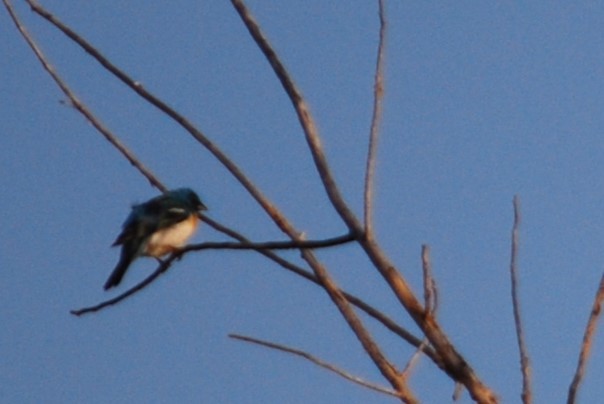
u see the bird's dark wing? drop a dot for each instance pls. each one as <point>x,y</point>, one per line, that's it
<point>158,213</point>
<point>138,225</point>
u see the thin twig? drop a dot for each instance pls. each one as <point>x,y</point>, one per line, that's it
<point>430,289</point>
<point>317,361</point>
<point>525,364</point>
<point>378,94</point>
<point>163,267</point>
<point>414,359</point>
<point>430,303</point>
<point>77,104</point>
<point>590,331</point>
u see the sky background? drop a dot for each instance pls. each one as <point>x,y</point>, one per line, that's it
<point>483,101</point>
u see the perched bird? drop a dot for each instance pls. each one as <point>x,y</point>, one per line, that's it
<point>155,228</point>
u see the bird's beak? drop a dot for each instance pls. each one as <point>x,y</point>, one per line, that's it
<point>201,207</point>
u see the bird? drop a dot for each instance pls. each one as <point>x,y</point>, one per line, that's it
<point>155,228</point>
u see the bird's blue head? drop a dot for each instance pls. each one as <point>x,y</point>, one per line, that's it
<point>188,197</point>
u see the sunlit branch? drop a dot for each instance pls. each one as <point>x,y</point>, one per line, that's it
<point>590,331</point>
<point>525,364</point>
<point>452,361</point>
<point>304,117</point>
<point>378,94</point>
<point>316,361</point>
<point>430,289</point>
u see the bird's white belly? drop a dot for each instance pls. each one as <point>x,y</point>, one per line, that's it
<point>167,240</point>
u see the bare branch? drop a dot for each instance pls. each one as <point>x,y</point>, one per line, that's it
<point>525,364</point>
<point>78,105</point>
<point>430,302</point>
<point>378,93</point>
<point>414,359</point>
<point>304,117</point>
<point>430,289</point>
<point>590,331</point>
<point>371,311</point>
<point>452,362</point>
<point>456,396</point>
<point>271,245</point>
<point>385,367</point>
<point>317,361</point>
<point>163,267</point>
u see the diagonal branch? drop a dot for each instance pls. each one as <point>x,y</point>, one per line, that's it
<point>430,289</point>
<point>163,267</point>
<point>304,117</point>
<point>378,94</point>
<point>525,364</point>
<point>78,105</point>
<point>372,312</point>
<point>317,361</point>
<point>590,331</point>
<point>430,303</point>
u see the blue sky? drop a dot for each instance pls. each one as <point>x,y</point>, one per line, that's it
<point>483,101</point>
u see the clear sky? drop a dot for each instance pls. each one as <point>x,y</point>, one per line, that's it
<point>483,101</point>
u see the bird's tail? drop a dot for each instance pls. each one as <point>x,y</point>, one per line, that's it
<point>116,276</point>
